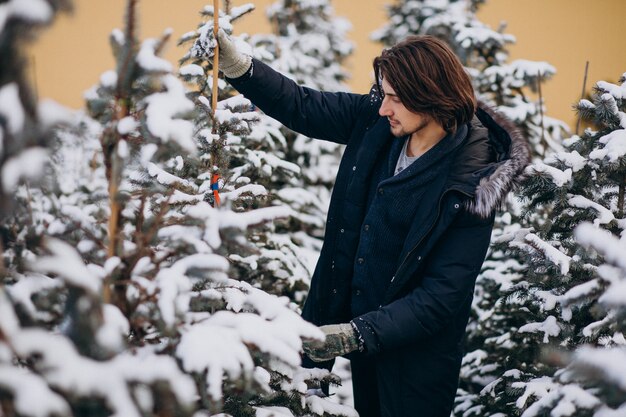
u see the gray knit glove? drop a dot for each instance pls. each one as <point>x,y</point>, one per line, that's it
<point>340,340</point>
<point>232,63</point>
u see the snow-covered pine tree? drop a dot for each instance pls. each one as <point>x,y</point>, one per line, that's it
<point>253,165</point>
<point>24,124</point>
<point>250,156</point>
<point>129,309</point>
<point>309,45</point>
<point>558,302</point>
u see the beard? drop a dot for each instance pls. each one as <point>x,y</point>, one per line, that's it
<point>400,131</point>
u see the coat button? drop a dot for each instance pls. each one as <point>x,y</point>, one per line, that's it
<point>354,168</point>
<point>334,290</point>
<point>342,230</point>
<point>381,191</point>
<point>360,261</point>
<point>366,227</point>
<point>358,292</point>
<point>419,258</point>
<point>456,206</point>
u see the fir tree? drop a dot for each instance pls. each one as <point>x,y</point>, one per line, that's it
<point>127,305</point>
<point>256,175</point>
<point>563,298</point>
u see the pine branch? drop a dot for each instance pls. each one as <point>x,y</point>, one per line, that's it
<point>543,133</point>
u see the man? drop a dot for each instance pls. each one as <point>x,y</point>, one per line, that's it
<point>409,221</point>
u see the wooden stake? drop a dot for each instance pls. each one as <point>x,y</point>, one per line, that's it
<point>216,57</point>
<point>539,81</point>
<point>582,94</point>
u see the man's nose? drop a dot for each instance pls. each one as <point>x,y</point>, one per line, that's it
<point>384,109</point>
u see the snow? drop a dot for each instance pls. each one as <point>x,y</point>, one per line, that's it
<point>254,189</point>
<point>571,159</point>
<point>36,11</point>
<point>127,125</point>
<point>563,401</point>
<point>165,178</point>
<point>606,215</point>
<point>550,252</point>
<point>191,70</point>
<point>25,387</point>
<point>26,287</point>
<point>9,323</point>
<point>538,387</point>
<point>617,91</point>
<point>582,290</point>
<point>108,79</point>
<point>609,363</point>
<point>273,412</point>
<point>11,108</point>
<point>114,330</point>
<point>217,350</point>
<point>61,366</point>
<point>549,327</point>
<point>175,285</point>
<point>162,110</point>
<point>65,262</point>
<point>614,146</point>
<point>147,59</point>
<point>604,242</point>
<point>557,176</point>
<point>28,164</point>
<point>525,68</point>
<point>51,113</point>
<point>320,406</point>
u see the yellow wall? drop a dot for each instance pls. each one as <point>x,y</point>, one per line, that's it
<point>70,57</point>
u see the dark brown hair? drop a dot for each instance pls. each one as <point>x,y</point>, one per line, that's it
<point>428,79</point>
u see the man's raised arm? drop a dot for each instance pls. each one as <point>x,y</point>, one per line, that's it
<point>329,116</point>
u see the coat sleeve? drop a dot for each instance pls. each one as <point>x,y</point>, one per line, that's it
<point>447,283</point>
<point>321,115</point>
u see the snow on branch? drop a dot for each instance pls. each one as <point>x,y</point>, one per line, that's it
<point>32,11</point>
<point>606,215</point>
<point>614,146</point>
<point>175,284</point>
<point>60,365</point>
<point>216,220</point>
<point>27,164</point>
<point>24,386</point>
<point>608,364</point>
<point>559,400</point>
<point>572,160</point>
<point>605,243</point>
<point>524,239</point>
<point>220,345</point>
<point>65,262</point>
<point>558,177</point>
<point>148,60</point>
<point>162,110</point>
<point>549,327</point>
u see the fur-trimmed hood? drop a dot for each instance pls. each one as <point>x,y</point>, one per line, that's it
<point>491,162</point>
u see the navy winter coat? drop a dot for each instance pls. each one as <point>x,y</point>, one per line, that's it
<point>400,254</point>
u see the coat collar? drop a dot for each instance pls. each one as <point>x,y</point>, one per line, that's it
<point>491,162</point>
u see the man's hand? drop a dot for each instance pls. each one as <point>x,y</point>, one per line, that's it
<point>232,63</point>
<point>340,340</point>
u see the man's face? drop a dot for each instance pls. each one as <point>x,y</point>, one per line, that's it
<point>403,121</point>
